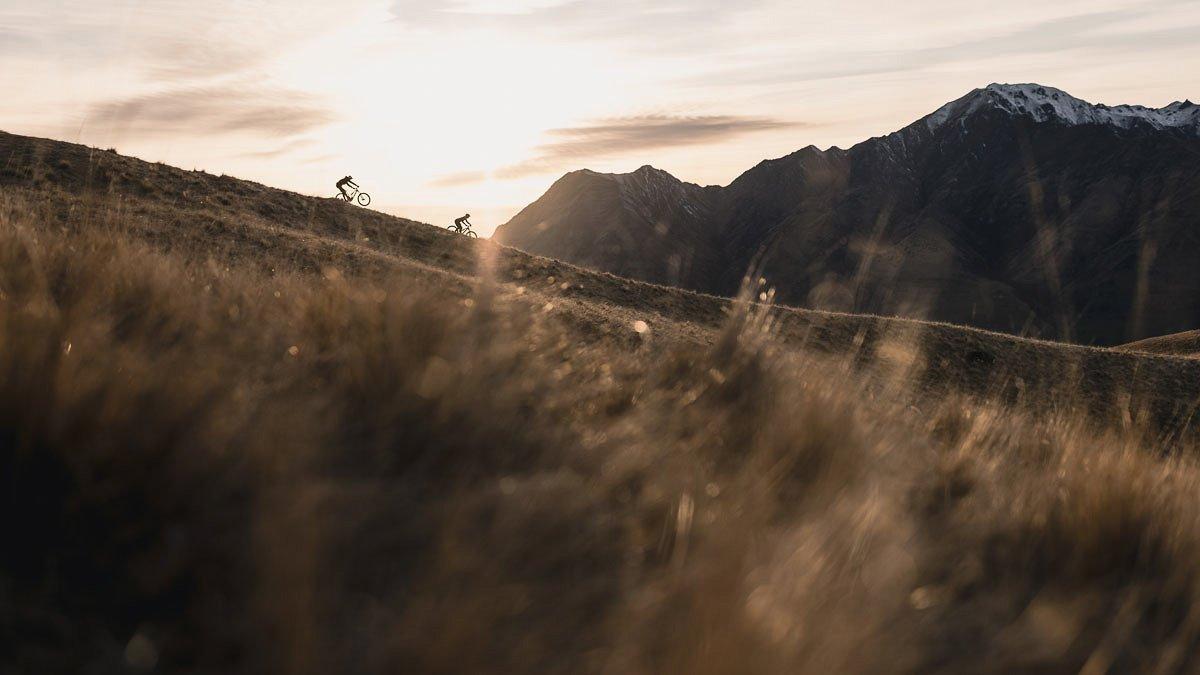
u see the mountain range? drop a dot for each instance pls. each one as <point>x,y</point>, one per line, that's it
<point>1016,208</point>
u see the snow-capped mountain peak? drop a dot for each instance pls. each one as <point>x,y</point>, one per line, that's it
<point>1047,104</point>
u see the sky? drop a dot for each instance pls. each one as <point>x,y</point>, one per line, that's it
<point>440,107</point>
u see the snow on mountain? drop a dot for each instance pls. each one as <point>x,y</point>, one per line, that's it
<point>941,226</point>
<point>1046,104</point>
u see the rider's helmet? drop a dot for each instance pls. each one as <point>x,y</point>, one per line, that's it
<point>467,216</point>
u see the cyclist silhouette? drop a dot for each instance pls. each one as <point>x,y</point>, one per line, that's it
<point>341,186</point>
<point>459,223</point>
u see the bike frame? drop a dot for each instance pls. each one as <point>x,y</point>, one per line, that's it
<point>463,229</point>
<point>354,196</point>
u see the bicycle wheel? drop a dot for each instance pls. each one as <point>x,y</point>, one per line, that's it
<point>454,229</point>
<point>471,234</point>
<point>340,197</point>
<point>364,199</point>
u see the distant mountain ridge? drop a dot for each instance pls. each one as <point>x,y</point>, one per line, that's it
<point>1046,104</point>
<point>621,213</point>
<point>1016,208</point>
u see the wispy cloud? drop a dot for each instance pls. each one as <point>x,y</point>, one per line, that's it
<point>319,159</point>
<point>457,179</point>
<point>619,136</point>
<point>166,40</point>
<point>649,25</point>
<point>286,148</point>
<point>214,110</point>
<point>1103,30</point>
<point>588,16</point>
<point>179,60</point>
<point>1107,31</point>
<point>14,41</point>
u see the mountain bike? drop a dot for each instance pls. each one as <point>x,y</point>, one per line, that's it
<point>355,195</point>
<point>465,230</point>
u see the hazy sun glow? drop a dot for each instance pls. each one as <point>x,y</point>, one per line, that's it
<point>440,106</point>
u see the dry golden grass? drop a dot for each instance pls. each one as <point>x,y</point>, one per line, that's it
<point>1179,344</point>
<point>221,457</point>
<point>237,223</point>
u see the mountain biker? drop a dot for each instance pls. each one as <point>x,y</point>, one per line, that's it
<point>459,223</point>
<point>341,186</point>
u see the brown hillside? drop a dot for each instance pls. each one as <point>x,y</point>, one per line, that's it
<point>246,223</point>
<point>1178,344</point>
<point>247,431</point>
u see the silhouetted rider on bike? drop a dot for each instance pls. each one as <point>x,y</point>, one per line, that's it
<point>460,223</point>
<point>341,186</point>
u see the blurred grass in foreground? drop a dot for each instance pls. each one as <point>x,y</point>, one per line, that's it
<point>213,469</point>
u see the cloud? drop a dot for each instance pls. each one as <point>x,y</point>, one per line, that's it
<point>714,34</point>
<point>1105,31</point>
<point>176,60</point>
<point>593,16</point>
<point>15,42</point>
<point>167,40</point>
<point>458,179</point>
<point>651,25</point>
<point>286,148</point>
<point>1064,34</point>
<point>226,109</point>
<point>619,136</point>
<point>319,159</point>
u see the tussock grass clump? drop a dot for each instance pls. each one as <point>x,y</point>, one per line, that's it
<point>210,467</point>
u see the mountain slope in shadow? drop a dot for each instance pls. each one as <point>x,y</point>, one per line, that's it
<point>1017,208</point>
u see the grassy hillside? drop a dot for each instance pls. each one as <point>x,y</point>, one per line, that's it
<point>200,216</point>
<point>1177,344</point>
<point>247,430</point>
